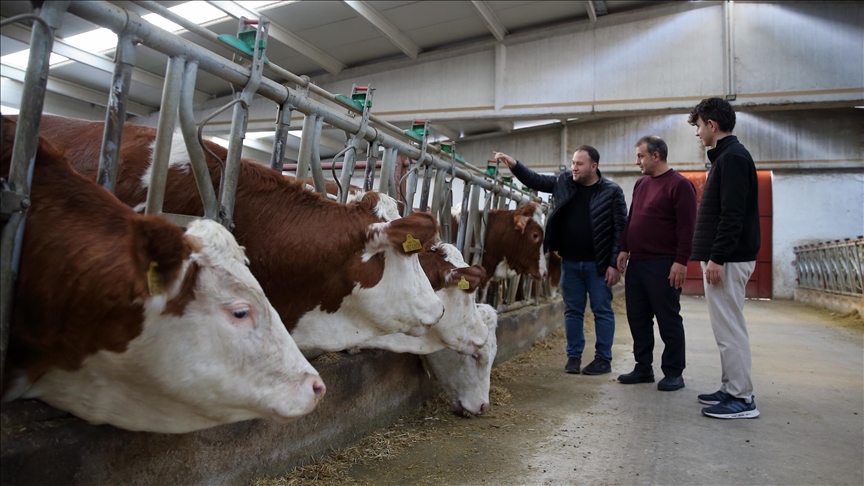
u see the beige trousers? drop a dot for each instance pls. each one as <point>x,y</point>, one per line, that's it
<point>726,311</point>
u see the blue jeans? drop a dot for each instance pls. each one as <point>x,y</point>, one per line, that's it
<point>579,281</point>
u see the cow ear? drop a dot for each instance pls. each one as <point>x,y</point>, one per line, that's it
<point>159,249</point>
<point>369,201</point>
<point>422,228</point>
<point>520,221</point>
<point>472,275</point>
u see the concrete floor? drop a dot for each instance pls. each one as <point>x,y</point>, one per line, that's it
<point>808,373</point>
<point>809,386</point>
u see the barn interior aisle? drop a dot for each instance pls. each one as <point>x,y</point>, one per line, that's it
<point>548,427</point>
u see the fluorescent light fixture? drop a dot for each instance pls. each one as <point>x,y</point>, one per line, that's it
<point>519,125</point>
<point>257,5</point>
<point>196,12</point>
<point>8,110</point>
<point>19,59</point>
<point>98,40</point>
<point>258,135</point>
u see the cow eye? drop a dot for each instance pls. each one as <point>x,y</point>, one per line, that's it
<point>536,236</point>
<point>240,313</point>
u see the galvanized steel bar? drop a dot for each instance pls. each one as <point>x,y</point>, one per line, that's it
<point>463,242</point>
<point>164,135</point>
<point>23,159</point>
<point>116,19</point>
<point>424,192</point>
<point>239,120</point>
<point>484,221</point>
<point>315,160</point>
<point>387,183</point>
<point>472,234</point>
<point>369,174</point>
<point>280,136</point>
<point>307,141</point>
<point>115,114</point>
<point>832,266</point>
<point>190,138</point>
<point>348,163</point>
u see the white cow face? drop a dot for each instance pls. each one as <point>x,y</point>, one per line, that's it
<point>466,379</point>
<point>403,300</point>
<point>227,358</point>
<point>461,328</point>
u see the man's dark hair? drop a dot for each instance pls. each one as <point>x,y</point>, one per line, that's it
<point>593,154</point>
<point>654,144</point>
<point>716,109</point>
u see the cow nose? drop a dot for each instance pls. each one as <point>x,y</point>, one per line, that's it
<point>318,387</point>
<point>483,408</point>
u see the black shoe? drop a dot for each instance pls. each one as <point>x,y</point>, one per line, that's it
<point>573,365</point>
<point>713,398</point>
<point>599,366</point>
<point>671,383</point>
<point>637,376</point>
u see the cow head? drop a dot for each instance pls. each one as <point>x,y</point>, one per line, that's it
<point>466,379</point>
<point>461,328</point>
<point>403,299</point>
<point>522,244</point>
<point>210,350</point>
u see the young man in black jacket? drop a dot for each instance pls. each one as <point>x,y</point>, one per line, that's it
<point>726,242</point>
<point>585,227</point>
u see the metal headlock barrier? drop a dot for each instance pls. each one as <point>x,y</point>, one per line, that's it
<point>366,132</point>
<point>832,266</point>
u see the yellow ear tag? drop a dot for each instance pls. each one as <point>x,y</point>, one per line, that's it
<point>411,244</point>
<point>463,284</point>
<point>153,283</point>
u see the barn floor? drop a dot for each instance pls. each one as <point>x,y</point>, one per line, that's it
<point>547,427</point>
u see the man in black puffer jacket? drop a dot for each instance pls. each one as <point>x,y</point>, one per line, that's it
<point>585,226</point>
<point>726,242</point>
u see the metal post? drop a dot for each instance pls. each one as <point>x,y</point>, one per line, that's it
<point>239,120</point>
<point>315,162</point>
<point>473,232</point>
<point>115,115</point>
<point>16,198</point>
<point>462,243</point>
<point>387,185</point>
<point>280,137</point>
<point>369,174</point>
<point>410,188</point>
<point>304,157</point>
<point>164,134</point>
<point>349,160</point>
<point>484,221</point>
<point>424,193</point>
<point>190,138</point>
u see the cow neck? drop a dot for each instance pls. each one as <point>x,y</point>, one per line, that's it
<point>306,252</point>
<point>102,283</point>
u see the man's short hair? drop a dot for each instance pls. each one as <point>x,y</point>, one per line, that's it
<point>716,109</point>
<point>654,144</point>
<point>593,154</point>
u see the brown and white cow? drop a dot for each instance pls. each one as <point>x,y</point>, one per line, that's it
<point>123,319</point>
<point>313,257</point>
<point>466,379</point>
<point>461,328</point>
<point>514,243</point>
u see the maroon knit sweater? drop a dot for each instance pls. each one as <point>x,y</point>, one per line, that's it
<point>662,218</point>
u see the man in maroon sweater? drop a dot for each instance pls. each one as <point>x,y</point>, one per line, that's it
<point>657,239</point>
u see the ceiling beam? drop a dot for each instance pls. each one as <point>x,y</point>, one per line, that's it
<point>66,88</point>
<point>505,126</point>
<point>305,49</point>
<point>592,12</point>
<point>445,130</point>
<point>98,61</point>
<point>495,25</point>
<point>384,26</point>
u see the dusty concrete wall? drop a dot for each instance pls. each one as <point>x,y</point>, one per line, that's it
<point>836,302</point>
<point>42,445</point>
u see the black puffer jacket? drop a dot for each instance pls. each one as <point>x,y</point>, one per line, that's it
<point>727,225</point>
<point>608,210</point>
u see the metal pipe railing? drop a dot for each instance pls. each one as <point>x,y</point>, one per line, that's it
<point>16,198</point>
<point>115,114</point>
<point>832,266</point>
